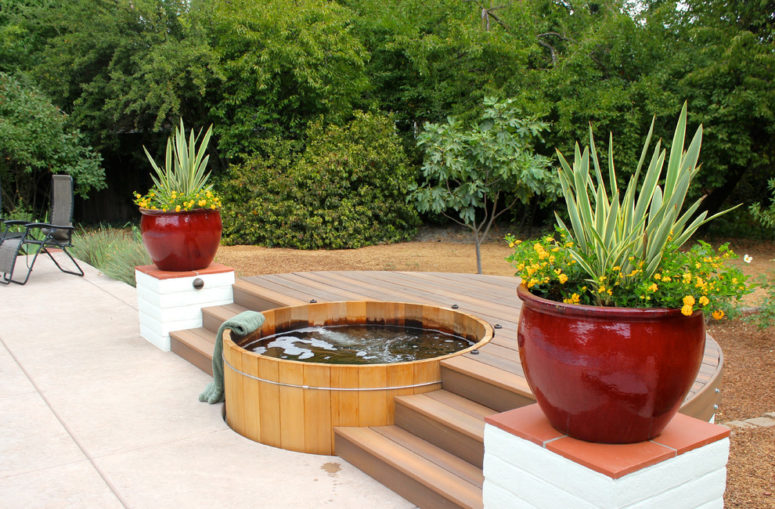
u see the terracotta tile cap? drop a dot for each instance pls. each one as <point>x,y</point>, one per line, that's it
<point>613,460</point>
<point>153,271</point>
<point>528,422</point>
<point>685,433</point>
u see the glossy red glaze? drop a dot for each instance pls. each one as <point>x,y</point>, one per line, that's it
<point>180,241</point>
<point>611,375</point>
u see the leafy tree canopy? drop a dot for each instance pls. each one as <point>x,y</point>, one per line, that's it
<point>35,142</point>
<point>480,171</point>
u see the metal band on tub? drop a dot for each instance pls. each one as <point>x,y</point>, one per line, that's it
<point>282,384</point>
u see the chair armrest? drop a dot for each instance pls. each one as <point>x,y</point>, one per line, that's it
<point>14,222</point>
<point>48,225</point>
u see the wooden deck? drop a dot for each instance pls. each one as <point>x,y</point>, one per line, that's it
<point>491,298</point>
<point>433,453</point>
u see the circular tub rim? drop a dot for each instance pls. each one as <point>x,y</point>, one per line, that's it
<point>488,336</point>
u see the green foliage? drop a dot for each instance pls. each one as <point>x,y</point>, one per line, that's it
<point>285,63</point>
<point>637,231</point>
<point>346,189</point>
<point>182,183</point>
<point>35,142</point>
<point>128,69</point>
<point>765,215</point>
<point>114,251</point>
<point>698,278</point>
<point>434,58</point>
<point>480,171</point>
<point>119,66</point>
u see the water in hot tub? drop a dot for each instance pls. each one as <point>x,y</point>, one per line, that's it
<point>359,344</point>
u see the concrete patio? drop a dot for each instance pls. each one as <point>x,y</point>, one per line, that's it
<point>95,416</point>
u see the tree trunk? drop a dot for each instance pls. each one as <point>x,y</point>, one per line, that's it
<point>478,253</point>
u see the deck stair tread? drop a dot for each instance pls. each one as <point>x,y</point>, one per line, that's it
<point>492,375</point>
<point>414,468</point>
<point>214,316</point>
<point>262,297</point>
<point>450,410</point>
<point>194,345</point>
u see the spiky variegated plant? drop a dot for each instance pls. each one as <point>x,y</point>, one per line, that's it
<point>608,230</point>
<point>182,183</point>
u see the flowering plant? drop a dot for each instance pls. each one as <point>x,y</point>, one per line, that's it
<point>626,250</point>
<point>692,279</point>
<point>182,184</point>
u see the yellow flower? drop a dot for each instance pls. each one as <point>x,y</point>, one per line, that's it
<point>202,203</point>
<point>688,301</point>
<point>657,276</point>
<point>563,278</point>
<point>601,289</point>
<point>704,301</point>
<point>718,314</point>
<point>573,299</point>
<point>177,208</point>
<point>687,277</point>
<point>653,287</point>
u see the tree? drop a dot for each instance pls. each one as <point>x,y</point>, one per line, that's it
<point>285,63</point>
<point>119,66</point>
<point>483,170</point>
<point>35,142</point>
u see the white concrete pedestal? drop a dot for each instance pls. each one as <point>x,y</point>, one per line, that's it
<point>528,464</point>
<point>169,301</point>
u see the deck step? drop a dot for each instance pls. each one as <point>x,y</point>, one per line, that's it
<point>214,316</point>
<point>414,468</point>
<point>194,345</point>
<point>446,420</point>
<point>486,384</point>
<point>257,298</point>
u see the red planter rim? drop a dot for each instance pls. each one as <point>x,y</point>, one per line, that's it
<point>553,307</point>
<point>153,212</point>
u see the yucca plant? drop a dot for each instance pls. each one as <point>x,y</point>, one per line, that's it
<point>610,233</point>
<point>623,248</point>
<point>182,183</point>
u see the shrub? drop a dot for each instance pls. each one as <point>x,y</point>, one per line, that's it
<point>347,189</point>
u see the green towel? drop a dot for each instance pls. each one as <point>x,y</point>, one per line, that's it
<point>242,325</point>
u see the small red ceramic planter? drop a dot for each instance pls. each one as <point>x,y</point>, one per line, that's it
<point>604,374</point>
<point>181,241</point>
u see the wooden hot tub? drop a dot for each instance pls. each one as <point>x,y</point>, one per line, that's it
<point>296,405</point>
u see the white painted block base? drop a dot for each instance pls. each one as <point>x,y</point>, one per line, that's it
<point>171,303</point>
<point>519,473</point>
<point>526,466</point>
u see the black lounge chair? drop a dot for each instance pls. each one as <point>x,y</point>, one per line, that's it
<point>55,234</point>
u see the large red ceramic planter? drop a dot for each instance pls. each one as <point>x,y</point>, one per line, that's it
<point>180,241</point>
<point>611,375</point>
